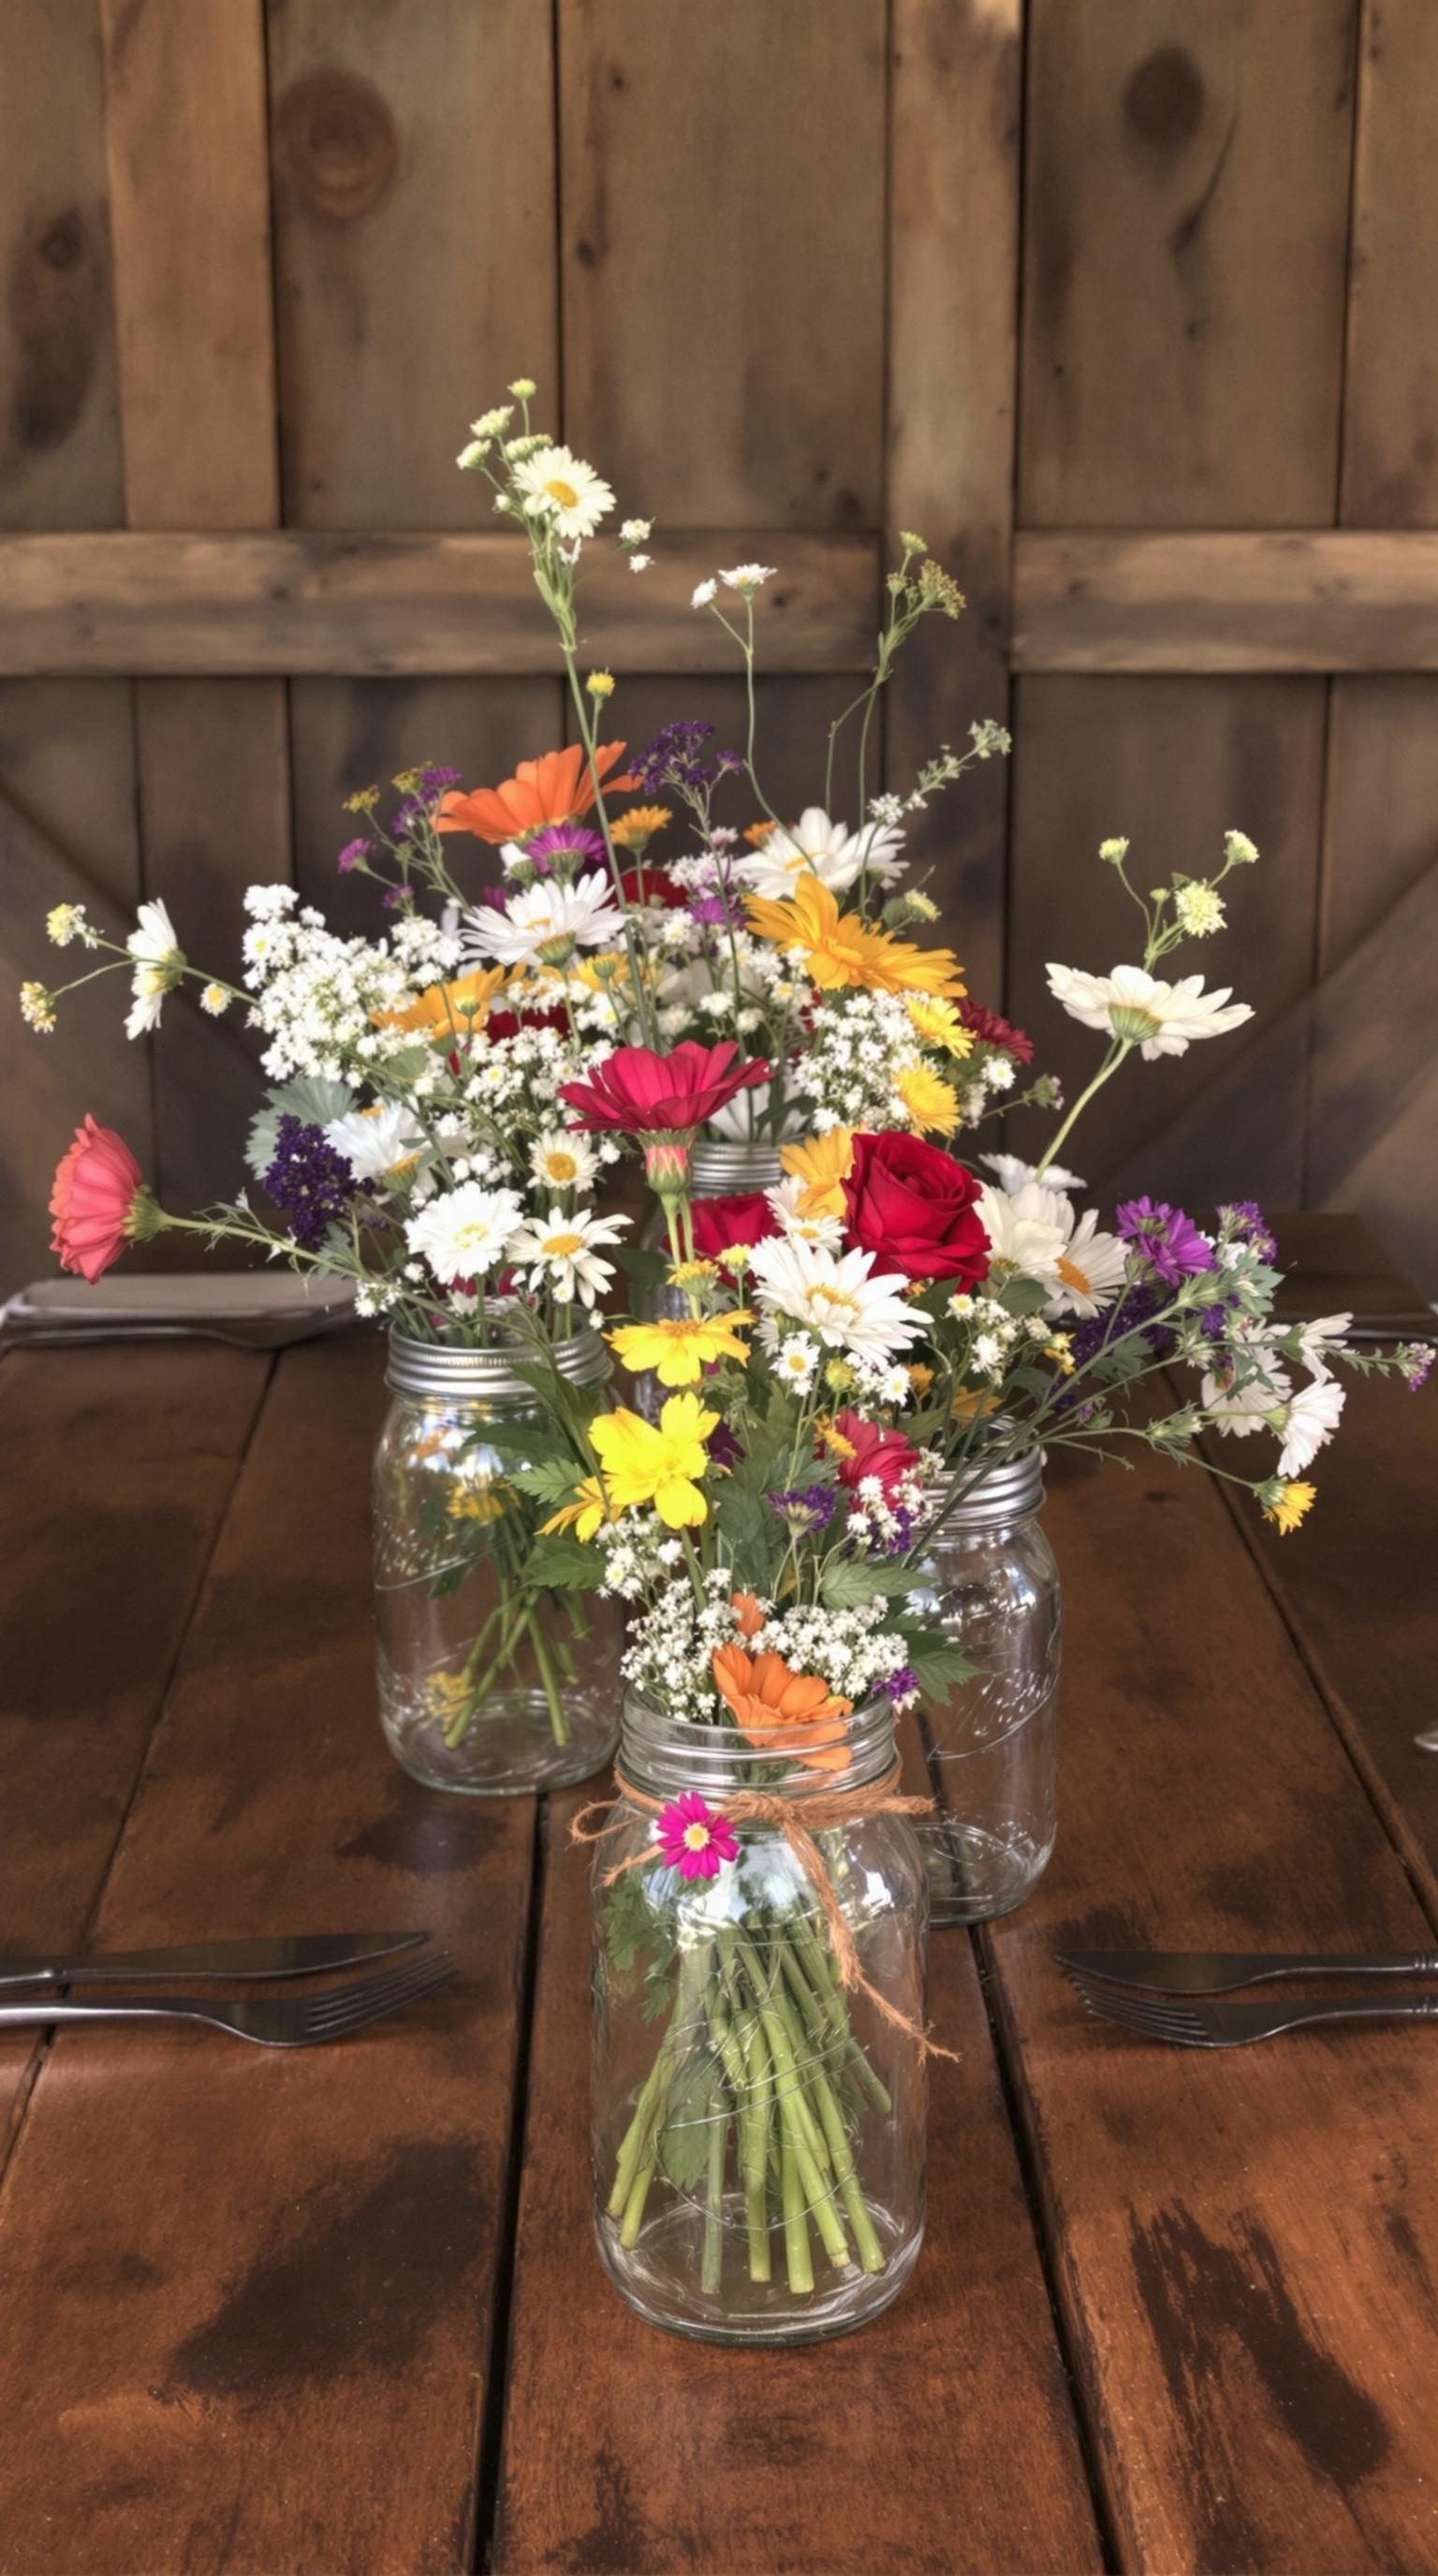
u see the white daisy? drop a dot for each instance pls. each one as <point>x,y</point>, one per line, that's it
<point>1309,1423</point>
<point>835,1295</point>
<point>797,1361</point>
<point>1254,1398</point>
<point>560,488</point>
<point>747,578</point>
<point>561,1253</point>
<point>1011,1172</point>
<point>562,1159</point>
<point>159,967</point>
<point>1158,1018</point>
<point>784,1201</point>
<point>215,1001</point>
<point>463,1234</point>
<point>702,594</point>
<point>548,920</point>
<point>1091,1267</point>
<point>825,849</point>
<point>374,1141</point>
<point>1027,1232</point>
<point>636,532</point>
<point>154,943</point>
<point>1317,1339</point>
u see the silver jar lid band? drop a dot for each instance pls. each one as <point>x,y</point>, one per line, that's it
<point>663,1756</point>
<point>491,1373</point>
<point>1007,1493</point>
<point>724,1170</point>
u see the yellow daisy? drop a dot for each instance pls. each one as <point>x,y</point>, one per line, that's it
<point>659,1463</point>
<point>932,1104</point>
<point>443,1008</point>
<point>841,952</point>
<point>679,1347</point>
<point>939,1025</point>
<point>639,825</point>
<point>1289,1509</point>
<point>823,1164</point>
<point>589,1508</point>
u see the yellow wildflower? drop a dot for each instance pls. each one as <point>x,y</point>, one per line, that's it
<point>933,1105</point>
<point>483,1503</point>
<point>970,1405</point>
<point>693,1274</point>
<point>939,1025</point>
<point>679,1347</point>
<point>842,952</point>
<point>600,684</point>
<point>443,1009</point>
<point>1290,1507</point>
<point>363,801</point>
<point>661,1463</point>
<point>921,1377</point>
<point>639,825</point>
<point>823,1164</point>
<point>839,1377</point>
<point>584,1515</point>
<point>1060,1350</point>
<point>598,972</point>
<point>831,1440</point>
<point>406,780</point>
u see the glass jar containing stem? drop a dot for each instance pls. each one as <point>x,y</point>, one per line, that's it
<point>486,1683</point>
<point>759,2111</point>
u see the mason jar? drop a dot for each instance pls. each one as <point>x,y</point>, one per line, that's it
<point>989,1580</point>
<point>485,1684</point>
<point>759,2125</point>
<point>719,1168</point>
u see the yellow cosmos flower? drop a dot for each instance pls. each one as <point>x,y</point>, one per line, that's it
<point>446,1007</point>
<point>584,1515</point>
<point>598,973</point>
<point>661,1463</point>
<point>1292,1504</point>
<point>679,1347</point>
<point>971,1406</point>
<point>841,952</point>
<point>939,1025</point>
<point>933,1105</point>
<point>639,825</point>
<point>823,1164</point>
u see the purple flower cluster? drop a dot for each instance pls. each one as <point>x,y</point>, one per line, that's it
<point>436,782</point>
<point>1169,1241</point>
<point>311,1184</point>
<point>1102,1332</point>
<point>807,1508</point>
<point>1246,1222</point>
<point>900,1685</point>
<point>352,855</point>
<point>674,760</point>
<point>713,912</point>
<point>569,845</point>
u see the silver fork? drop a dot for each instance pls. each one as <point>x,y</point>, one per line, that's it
<point>1186,2024</point>
<point>300,2021</point>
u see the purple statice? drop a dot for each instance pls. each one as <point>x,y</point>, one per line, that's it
<point>437,782</point>
<point>393,897</point>
<point>808,1508</point>
<point>310,1182</point>
<point>1246,1223</point>
<point>570,846</point>
<point>675,761</point>
<point>1213,1321</point>
<point>1132,1313</point>
<point>900,1686</point>
<point>1169,1241</point>
<point>1416,1359</point>
<point>712,912</point>
<point>408,814</point>
<point>353,855</point>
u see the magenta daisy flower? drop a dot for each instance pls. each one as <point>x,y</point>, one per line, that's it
<point>693,1839</point>
<point>566,846</point>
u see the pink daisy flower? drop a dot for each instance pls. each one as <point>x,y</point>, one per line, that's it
<point>693,1839</point>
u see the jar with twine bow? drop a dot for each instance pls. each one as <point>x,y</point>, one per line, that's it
<point>760,2051</point>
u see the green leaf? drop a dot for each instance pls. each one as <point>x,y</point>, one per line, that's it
<point>684,2144</point>
<point>552,1482</point>
<point>643,1270</point>
<point>562,1564</point>
<point>1019,1296</point>
<point>936,1664</point>
<point>745,1526</point>
<point>315,1101</point>
<point>848,1582</point>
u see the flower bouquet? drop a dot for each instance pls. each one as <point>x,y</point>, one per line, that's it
<point>821,1371</point>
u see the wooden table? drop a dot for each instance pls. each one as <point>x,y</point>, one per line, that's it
<point>340,2311</point>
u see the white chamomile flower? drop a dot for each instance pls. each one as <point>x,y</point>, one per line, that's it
<point>835,1294</point>
<point>154,942</point>
<point>562,1253</point>
<point>797,1362</point>
<point>159,967</point>
<point>896,1387</point>
<point>559,487</point>
<point>563,1159</point>
<point>786,1202</point>
<point>215,1000</point>
<point>818,847</point>
<point>1157,1018</point>
<point>548,921</point>
<point>747,578</point>
<point>1309,1422</point>
<point>462,1234</point>
<point>635,532</point>
<point>492,424</point>
<point>1011,1172</point>
<point>640,562</point>
<point>704,592</point>
<point>374,1141</point>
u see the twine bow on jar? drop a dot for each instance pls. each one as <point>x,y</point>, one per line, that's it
<point>820,1811</point>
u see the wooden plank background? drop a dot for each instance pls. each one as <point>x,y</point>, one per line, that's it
<point>1126,308</point>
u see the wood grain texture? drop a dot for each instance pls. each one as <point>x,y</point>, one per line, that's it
<point>670,2453</point>
<point>386,603</point>
<point>1312,600</point>
<point>118,1474</point>
<point>954,119</point>
<point>1244,2241</point>
<point>1097,757</point>
<point>1390,399</point>
<point>722,202</point>
<point>1186,213</point>
<point>235,2281</point>
<point>414,223</point>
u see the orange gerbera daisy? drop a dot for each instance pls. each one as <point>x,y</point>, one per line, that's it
<point>747,1613</point>
<point>767,1697</point>
<point>552,789</point>
<point>449,1009</point>
<point>843,953</point>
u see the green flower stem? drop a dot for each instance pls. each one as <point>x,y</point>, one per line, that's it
<point>796,2226</point>
<point>712,2265</point>
<point>754,2151</point>
<point>1110,1065</point>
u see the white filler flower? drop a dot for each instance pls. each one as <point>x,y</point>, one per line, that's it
<point>1157,1018</point>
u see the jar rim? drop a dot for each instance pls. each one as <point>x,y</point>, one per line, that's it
<point>663,1754</point>
<point>493,1370</point>
<point>1011,1491</point>
<point>720,1166</point>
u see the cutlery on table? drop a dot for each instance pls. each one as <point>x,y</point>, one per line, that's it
<point>300,2021</point>
<point>1222,1972</point>
<point>253,1311</point>
<point>1183,2023</point>
<point>305,1956</point>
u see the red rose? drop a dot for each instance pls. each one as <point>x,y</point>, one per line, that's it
<point>718,1223</point>
<point>644,1094</point>
<point>648,884</point>
<point>878,1451</point>
<point>912,1205</point>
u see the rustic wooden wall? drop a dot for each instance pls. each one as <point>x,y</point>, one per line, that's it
<point>1126,304</point>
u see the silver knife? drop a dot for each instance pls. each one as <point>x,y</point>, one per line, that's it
<point>1222,1972</point>
<point>304,1956</point>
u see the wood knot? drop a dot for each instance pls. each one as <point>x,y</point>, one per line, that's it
<point>337,144</point>
<point>1163,99</point>
<point>56,300</point>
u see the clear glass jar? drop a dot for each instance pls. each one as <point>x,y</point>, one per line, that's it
<point>759,2130</point>
<point>991,1582</point>
<point>718,1169</point>
<point>482,1686</point>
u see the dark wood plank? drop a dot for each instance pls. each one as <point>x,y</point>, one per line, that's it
<point>1312,599</point>
<point>119,1467</point>
<point>954,117</point>
<point>893,2447</point>
<point>248,2297</point>
<point>1338,1265</point>
<point>1390,423</point>
<point>1246,2242</point>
